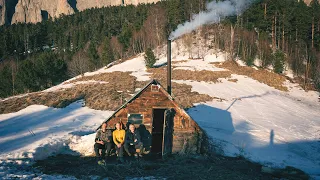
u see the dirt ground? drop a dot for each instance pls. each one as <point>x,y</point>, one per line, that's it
<point>175,167</point>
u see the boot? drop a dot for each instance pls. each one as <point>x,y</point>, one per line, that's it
<point>136,155</point>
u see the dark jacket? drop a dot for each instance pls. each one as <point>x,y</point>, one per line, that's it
<point>104,136</point>
<point>131,137</point>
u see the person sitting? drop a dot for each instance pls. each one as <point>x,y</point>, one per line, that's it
<point>133,139</point>
<point>118,139</point>
<point>103,141</point>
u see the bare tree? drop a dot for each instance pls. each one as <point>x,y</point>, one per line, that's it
<point>231,42</point>
<point>117,47</point>
<point>14,70</point>
<point>79,64</point>
<point>187,41</point>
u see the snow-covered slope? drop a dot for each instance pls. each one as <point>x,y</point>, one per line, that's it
<point>250,119</point>
<point>37,132</point>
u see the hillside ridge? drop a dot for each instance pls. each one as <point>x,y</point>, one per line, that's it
<point>33,11</point>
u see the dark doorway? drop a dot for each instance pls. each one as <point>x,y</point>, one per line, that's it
<point>157,130</point>
<point>73,4</point>
<point>11,9</point>
<point>44,15</point>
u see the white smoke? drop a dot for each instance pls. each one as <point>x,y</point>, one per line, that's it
<point>216,11</point>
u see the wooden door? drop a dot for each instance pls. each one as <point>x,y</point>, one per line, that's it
<point>168,132</point>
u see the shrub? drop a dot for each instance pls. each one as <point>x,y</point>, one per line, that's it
<point>250,61</point>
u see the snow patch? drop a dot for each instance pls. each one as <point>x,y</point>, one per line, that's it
<point>83,144</point>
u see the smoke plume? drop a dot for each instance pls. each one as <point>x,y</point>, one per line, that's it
<point>216,11</point>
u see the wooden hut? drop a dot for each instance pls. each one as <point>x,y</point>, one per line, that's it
<point>164,126</point>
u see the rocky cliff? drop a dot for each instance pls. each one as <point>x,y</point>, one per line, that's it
<point>2,12</point>
<point>308,1</point>
<point>34,11</point>
<point>86,4</point>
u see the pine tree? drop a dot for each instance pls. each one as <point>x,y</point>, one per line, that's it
<point>278,62</point>
<point>149,58</point>
<point>107,52</point>
<point>93,56</point>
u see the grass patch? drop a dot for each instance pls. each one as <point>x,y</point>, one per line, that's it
<point>97,96</point>
<point>180,74</point>
<point>263,76</point>
<point>185,97</point>
<point>105,77</point>
<point>233,80</point>
<point>107,96</point>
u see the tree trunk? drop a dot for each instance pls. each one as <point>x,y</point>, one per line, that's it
<point>273,35</point>
<point>231,42</point>
<point>312,34</point>
<point>306,71</point>
<point>275,31</point>
<point>13,76</point>
<point>265,11</point>
<point>283,47</point>
<point>296,34</point>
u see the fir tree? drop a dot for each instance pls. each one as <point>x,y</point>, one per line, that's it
<point>149,58</point>
<point>93,55</point>
<point>278,62</point>
<point>107,52</point>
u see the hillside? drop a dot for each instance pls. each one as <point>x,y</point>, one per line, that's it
<point>54,51</point>
<point>245,114</point>
<point>36,11</point>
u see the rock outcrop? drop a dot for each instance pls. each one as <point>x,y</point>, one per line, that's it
<point>33,11</point>
<point>308,1</point>
<point>87,4</point>
<point>2,12</point>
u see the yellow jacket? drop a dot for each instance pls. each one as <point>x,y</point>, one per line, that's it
<point>118,136</point>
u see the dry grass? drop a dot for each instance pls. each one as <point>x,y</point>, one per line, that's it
<point>263,76</point>
<point>180,74</point>
<point>177,62</point>
<point>99,96</point>
<point>301,81</point>
<point>233,80</point>
<point>96,96</point>
<point>185,97</point>
<point>108,96</point>
<point>106,77</point>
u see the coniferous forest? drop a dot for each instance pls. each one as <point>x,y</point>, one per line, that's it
<point>282,34</point>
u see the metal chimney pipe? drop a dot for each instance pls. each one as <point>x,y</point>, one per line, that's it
<point>169,66</point>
